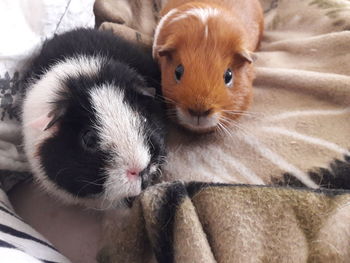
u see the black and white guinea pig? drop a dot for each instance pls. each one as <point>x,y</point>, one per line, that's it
<point>93,131</point>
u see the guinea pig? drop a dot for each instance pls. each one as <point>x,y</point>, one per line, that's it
<point>205,51</point>
<point>93,131</point>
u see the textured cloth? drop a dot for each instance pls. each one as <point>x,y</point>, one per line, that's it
<point>135,20</point>
<point>296,131</point>
<point>20,243</point>
<point>195,222</point>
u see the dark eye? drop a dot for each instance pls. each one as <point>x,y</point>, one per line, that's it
<point>228,77</point>
<point>179,71</point>
<point>89,140</point>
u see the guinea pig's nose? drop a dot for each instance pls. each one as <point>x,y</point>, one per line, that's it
<point>132,173</point>
<point>200,113</point>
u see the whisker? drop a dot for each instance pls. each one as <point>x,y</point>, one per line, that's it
<point>244,111</point>
<point>90,183</point>
<point>171,115</point>
<point>248,114</point>
<point>165,99</point>
<point>228,122</point>
<point>224,129</point>
<point>242,129</point>
<point>171,112</point>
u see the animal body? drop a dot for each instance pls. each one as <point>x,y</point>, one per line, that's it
<point>204,49</point>
<point>93,132</point>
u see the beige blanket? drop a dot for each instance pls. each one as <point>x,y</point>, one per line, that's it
<point>299,121</point>
<point>296,133</point>
<point>210,223</point>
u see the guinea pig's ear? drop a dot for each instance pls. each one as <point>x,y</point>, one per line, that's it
<point>163,50</point>
<point>48,120</point>
<point>55,115</point>
<point>247,55</point>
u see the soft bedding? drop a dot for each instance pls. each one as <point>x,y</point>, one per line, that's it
<point>297,128</point>
<point>295,134</point>
<point>203,222</point>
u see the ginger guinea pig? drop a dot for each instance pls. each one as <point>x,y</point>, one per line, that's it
<point>204,49</point>
<point>93,131</point>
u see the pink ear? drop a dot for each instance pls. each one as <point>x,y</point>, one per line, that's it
<point>41,123</point>
<point>247,55</point>
<point>164,50</point>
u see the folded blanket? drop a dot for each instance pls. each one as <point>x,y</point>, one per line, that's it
<point>196,222</point>
<point>296,131</point>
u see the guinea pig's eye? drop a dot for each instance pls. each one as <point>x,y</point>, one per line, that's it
<point>228,77</point>
<point>179,71</point>
<point>89,140</point>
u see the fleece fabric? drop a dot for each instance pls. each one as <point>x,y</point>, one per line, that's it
<point>203,222</point>
<point>297,129</point>
<point>295,134</point>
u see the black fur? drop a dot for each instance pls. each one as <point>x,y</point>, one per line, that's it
<point>64,160</point>
<point>91,42</point>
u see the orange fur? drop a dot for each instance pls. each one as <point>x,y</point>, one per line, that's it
<point>206,50</point>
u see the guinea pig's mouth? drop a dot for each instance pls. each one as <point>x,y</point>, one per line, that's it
<point>198,124</point>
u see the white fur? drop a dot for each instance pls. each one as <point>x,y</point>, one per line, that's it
<point>37,104</point>
<point>159,27</point>
<point>122,133</point>
<point>195,123</point>
<point>206,31</point>
<point>203,14</point>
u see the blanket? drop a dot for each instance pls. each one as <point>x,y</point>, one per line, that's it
<point>295,134</point>
<point>203,222</point>
<point>296,131</point>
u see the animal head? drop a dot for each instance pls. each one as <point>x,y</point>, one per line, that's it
<point>206,66</point>
<point>93,131</point>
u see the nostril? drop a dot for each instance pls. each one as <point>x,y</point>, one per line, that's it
<point>132,173</point>
<point>192,112</point>
<point>207,112</point>
<point>200,113</point>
